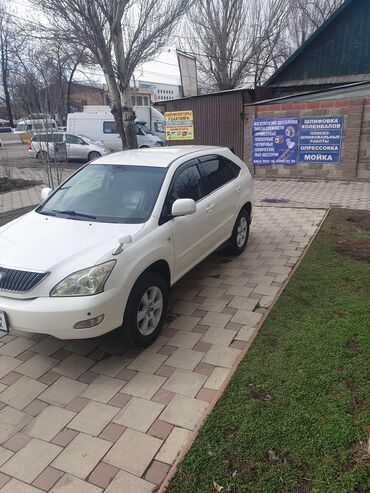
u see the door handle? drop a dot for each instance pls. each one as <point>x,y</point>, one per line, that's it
<point>237,188</point>
<point>210,208</point>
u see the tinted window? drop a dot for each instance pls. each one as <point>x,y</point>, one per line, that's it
<point>232,167</point>
<point>187,184</point>
<point>48,138</point>
<point>216,172</point>
<point>110,128</point>
<point>73,139</point>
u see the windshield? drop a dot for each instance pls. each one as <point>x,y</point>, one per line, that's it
<point>143,127</point>
<point>86,139</point>
<point>107,193</point>
<point>22,127</point>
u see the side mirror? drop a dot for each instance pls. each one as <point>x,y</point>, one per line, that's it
<point>183,207</point>
<point>45,192</point>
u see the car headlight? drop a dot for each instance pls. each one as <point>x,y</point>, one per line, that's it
<point>84,282</point>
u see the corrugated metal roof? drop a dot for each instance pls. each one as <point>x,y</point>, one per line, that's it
<point>308,42</point>
<point>356,90</point>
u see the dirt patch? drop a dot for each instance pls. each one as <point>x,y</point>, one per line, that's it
<point>260,394</point>
<point>9,184</point>
<point>352,233</point>
<point>351,346</point>
<point>305,486</point>
<point>360,453</point>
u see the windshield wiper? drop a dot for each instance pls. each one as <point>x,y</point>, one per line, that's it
<point>74,214</point>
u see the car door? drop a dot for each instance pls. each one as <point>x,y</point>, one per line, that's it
<point>222,200</point>
<point>76,147</point>
<point>111,138</point>
<point>190,234</point>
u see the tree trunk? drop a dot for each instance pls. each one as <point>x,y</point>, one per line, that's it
<point>116,106</point>
<point>7,100</point>
<point>128,120</point>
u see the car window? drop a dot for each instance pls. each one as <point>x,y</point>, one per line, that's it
<point>107,193</point>
<point>216,172</point>
<point>110,128</point>
<point>232,167</point>
<point>73,139</point>
<point>187,184</point>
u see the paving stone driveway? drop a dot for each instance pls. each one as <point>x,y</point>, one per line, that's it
<point>92,416</point>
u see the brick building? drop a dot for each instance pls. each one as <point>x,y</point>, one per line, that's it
<point>350,103</point>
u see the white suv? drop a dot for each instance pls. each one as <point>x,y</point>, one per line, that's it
<point>103,249</point>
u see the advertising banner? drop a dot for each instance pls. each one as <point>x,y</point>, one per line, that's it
<point>320,139</point>
<point>179,125</point>
<point>275,140</point>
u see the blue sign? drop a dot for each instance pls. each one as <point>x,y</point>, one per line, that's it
<point>275,140</point>
<point>320,139</point>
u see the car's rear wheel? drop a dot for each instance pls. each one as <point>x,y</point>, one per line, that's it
<point>94,155</point>
<point>42,155</point>
<point>239,237</point>
<point>146,310</point>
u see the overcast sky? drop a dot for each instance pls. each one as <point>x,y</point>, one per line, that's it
<point>164,69</point>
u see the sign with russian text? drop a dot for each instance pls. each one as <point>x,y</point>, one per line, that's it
<point>179,125</point>
<point>320,139</point>
<point>275,140</point>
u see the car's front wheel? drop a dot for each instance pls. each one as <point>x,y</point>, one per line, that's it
<point>93,155</point>
<point>239,237</point>
<point>146,310</point>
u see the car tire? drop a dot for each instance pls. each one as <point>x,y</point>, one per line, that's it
<point>146,310</point>
<point>93,155</point>
<point>42,155</point>
<point>239,237</point>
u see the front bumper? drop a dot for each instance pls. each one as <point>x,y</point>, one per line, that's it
<point>57,316</point>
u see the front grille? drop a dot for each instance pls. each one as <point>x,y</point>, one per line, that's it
<point>19,280</point>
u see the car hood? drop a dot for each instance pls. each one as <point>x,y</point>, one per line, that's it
<point>42,243</point>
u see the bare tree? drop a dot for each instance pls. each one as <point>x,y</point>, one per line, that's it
<point>120,35</point>
<point>7,45</point>
<point>235,39</point>
<point>306,16</point>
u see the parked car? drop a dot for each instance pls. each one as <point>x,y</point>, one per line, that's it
<point>104,248</point>
<point>35,125</point>
<point>4,130</point>
<point>76,147</point>
<point>102,127</point>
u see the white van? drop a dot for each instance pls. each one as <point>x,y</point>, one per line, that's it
<point>102,127</point>
<point>35,125</point>
<point>151,116</point>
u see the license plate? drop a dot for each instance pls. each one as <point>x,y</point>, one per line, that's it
<point>3,323</point>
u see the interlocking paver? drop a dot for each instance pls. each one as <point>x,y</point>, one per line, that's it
<point>22,392</point>
<point>143,385</point>
<point>183,411</point>
<point>63,391</point>
<point>103,389</point>
<point>129,483</point>
<point>185,359</point>
<point>49,423</point>
<point>133,452</point>
<point>139,414</point>
<point>176,440</point>
<point>93,418</point>
<point>185,382</point>
<point>82,455</point>
<point>70,484</point>
<point>15,486</point>
<point>31,460</point>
